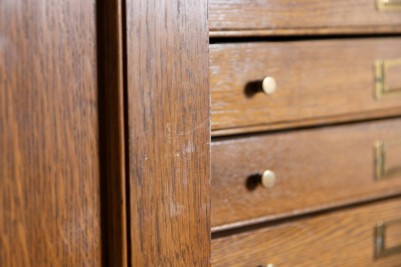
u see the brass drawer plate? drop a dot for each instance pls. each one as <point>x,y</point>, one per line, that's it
<point>381,149</point>
<point>382,88</point>
<point>381,250</point>
<point>386,5</point>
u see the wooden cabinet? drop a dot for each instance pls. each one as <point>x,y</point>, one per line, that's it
<point>200,133</point>
<point>104,133</point>
<point>305,106</point>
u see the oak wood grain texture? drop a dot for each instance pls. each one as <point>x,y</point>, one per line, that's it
<point>341,238</point>
<point>111,134</point>
<point>49,155</point>
<point>313,16</point>
<point>317,81</point>
<point>169,132</point>
<point>315,169</point>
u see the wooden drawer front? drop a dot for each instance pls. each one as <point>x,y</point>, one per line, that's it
<point>306,16</point>
<point>342,238</point>
<point>314,168</point>
<point>317,81</point>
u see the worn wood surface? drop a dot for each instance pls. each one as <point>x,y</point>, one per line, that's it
<point>111,131</point>
<point>318,81</point>
<point>315,169</point>
<point>340,238</point>
<point>49,151</point>
<point>169,133</point>
<point>308,16</point>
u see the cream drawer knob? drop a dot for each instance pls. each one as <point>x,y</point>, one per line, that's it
<point>268,179</point>
<point>269,85</point>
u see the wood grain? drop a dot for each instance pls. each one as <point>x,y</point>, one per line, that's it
<point>315,83</point>
<point>317,16</point>
<point>341,238</point>
<point>111,134</point>
<point>315,168</point>
<point>169,132</point>
<point>49,151</point>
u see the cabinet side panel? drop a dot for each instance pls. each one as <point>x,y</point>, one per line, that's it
<point>49,151</point>
<point>169,132</point>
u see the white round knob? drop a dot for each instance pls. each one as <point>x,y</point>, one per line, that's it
<point>268,179</point>
<point>269,85</point>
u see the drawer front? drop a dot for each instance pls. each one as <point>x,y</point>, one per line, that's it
<point>313,169</point>
<point>313,16</point>
<point>341,238</point>
<point>316,82</point>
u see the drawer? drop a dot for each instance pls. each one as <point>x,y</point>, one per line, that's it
<point>349,237</point>
<point>253,17</point>
<point>314,169</point>
<point>319,81</point>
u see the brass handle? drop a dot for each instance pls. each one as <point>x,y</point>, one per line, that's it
<point>381,170</point>
<point>268,179</point>
<point>382,88</point>
<point>269,85</point>
<point>381,250</point>
<point>389,5</point>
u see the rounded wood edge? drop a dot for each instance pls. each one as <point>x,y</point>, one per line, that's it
<point>393,29</point>
<point>383,114</point>
<point>304,213</point>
